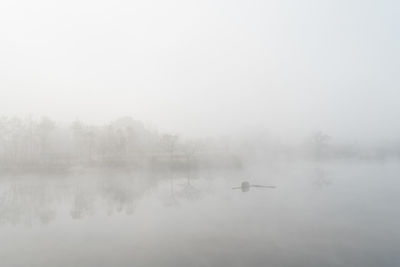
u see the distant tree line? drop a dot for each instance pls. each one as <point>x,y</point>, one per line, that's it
<point>28,143</point>
<point>43,143</point>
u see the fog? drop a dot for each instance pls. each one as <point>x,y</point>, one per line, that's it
<point>206,68</point>
<point>199,133</point>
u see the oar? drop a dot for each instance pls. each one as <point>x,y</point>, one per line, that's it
<point>263,186</point>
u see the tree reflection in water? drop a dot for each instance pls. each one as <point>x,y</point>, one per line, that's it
<point>321,178</point>
<point>82,204</point>
<point>26,202</point>
<point>189,191</point>
<point>31,200</point>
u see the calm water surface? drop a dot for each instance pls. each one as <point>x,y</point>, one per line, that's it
<point>319,214</point>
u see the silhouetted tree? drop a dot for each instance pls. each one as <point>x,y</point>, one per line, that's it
<point>319,143</point>
<point>44,129</point>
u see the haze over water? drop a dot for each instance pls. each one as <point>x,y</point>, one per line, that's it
<point>319,214</point>
<point>199,133</point>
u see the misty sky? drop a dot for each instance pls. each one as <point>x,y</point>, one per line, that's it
<point>206,67</point>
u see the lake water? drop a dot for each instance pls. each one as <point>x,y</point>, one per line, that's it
<point>319,214</point>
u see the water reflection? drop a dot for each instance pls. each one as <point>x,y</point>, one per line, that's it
<point>120,194</point>
<point>82,205</point>
<point>321,178</point>
<point>28,200</point>
<point>20,202</point>
<point>354,223</point>
<point>188,191</point>
<point>181,189</point>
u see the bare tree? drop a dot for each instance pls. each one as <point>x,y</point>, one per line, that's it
<point>319,142</point>
<point>44,129</point>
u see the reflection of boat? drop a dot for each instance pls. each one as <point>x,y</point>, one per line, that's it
<point>245,186</point>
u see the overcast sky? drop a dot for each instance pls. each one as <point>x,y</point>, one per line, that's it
<point>206,67</point>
